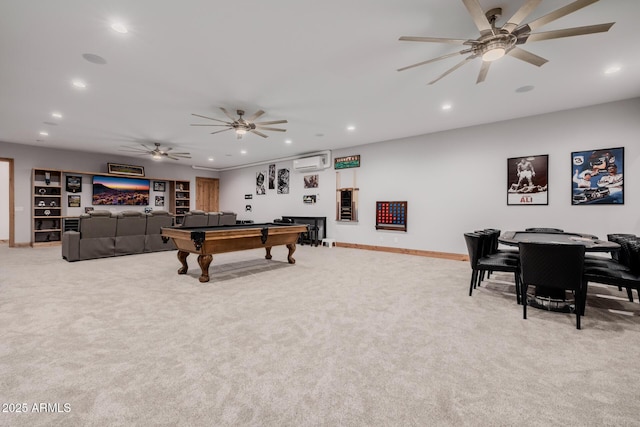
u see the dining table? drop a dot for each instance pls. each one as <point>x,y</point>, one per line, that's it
<point>554,299</point>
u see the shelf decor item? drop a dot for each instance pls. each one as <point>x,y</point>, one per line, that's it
<point>130,170</point>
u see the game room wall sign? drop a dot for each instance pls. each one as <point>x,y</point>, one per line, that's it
<point>347,162</point>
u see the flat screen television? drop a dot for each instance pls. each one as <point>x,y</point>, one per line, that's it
<point>115,190</point>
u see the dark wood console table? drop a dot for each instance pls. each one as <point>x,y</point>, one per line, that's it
<point>317,228</point>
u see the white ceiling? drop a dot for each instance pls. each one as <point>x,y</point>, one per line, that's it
<point>322,65</point>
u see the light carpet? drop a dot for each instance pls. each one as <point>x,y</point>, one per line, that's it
<point>344,337</point>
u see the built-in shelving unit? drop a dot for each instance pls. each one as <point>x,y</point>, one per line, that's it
<point>46,207</point>
<point>180,199</point>
<point>50,218</point>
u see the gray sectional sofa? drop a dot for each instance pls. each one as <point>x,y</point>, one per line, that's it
<point>103,234</point>
<point>198,218</point>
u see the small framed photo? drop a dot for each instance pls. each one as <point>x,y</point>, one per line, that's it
<point>74,200</point>
<point>130,170</point>
<point>160,186</point>
<point>74,184</point>
<point>528,180</point>
<point>88,209</point>
<point>159,200</point>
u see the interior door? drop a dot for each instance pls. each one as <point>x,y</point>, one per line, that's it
<point>207,194</point>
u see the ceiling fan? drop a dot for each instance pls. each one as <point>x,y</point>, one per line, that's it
<point>242,125</point>
<point>157,153</point>
<point>495,42</point>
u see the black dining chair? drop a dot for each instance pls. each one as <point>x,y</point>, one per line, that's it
<point>481,261</point>
<point>553,265</point>
<point>618,261</point>
<point>627,277</point>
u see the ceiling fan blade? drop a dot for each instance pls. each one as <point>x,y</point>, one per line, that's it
<point>478,16</point>
<point>273,129</point>
<point>233,119</point>
<point>258,133</point>
<point>433,40</point>
<point>273,122</point>
<point>455,67</point>
<point>135,151</point>
<point>566,32</point>
<point>255,115</point>
<point>181,154</point>
<point>210,118</point>
<point>483,71</point>
<point>201,124</point>
<point>172,157</point>
<point>449,55</point>
<point>527,56</point>
<point>550,17</point>
<point>218,131</point>
<point>520,15</point>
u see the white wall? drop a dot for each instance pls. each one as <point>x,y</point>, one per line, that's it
<point>4,200</point>
<point>456,181</point>
<point>28,157</point>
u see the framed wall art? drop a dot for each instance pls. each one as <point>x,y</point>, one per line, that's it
<point>160,186</point>
<point>74,200</point>
<point>118,169</point>
<point>74,184</point>
<point>311,181</point>
<point>260,180</point>
<point>528,180</point>
<point>597,177</point>
<point>283,181</point>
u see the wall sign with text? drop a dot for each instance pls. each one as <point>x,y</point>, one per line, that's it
<point>347,162</point>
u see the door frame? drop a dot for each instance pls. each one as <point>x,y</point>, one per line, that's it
<point>12,237</point>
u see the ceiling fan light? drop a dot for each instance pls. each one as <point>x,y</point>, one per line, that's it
<point>493,54</point>
<point>240,133</point>
<point>157,156</point>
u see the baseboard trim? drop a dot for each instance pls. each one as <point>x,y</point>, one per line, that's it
<point>429,254</point>
<point>22,245</point>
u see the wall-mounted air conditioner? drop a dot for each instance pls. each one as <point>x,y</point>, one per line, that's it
<point>308,164</point>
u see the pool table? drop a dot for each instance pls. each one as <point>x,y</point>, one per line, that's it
<point>206,241</point>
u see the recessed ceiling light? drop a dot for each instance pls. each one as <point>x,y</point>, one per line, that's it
<point>56,115</point>
<point>243,151</point>
<point>93,58</point>
<point>210,159</point>
<point>612,70</point>
<point>43,133</point>
<point>119,27</point>
<point>446,106</point>
<point>351,128</point>
<point>288,141</point>
<point>79,84</point>
<point>523,89</point>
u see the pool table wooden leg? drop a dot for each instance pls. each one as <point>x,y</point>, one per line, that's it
<point>292,249</point>
<point>182,257</point>
<point>204,261</point>
<point>268,255</point>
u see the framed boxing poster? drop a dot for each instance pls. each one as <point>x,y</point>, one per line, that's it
<point>528,180</point>
<point>597,177</point>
